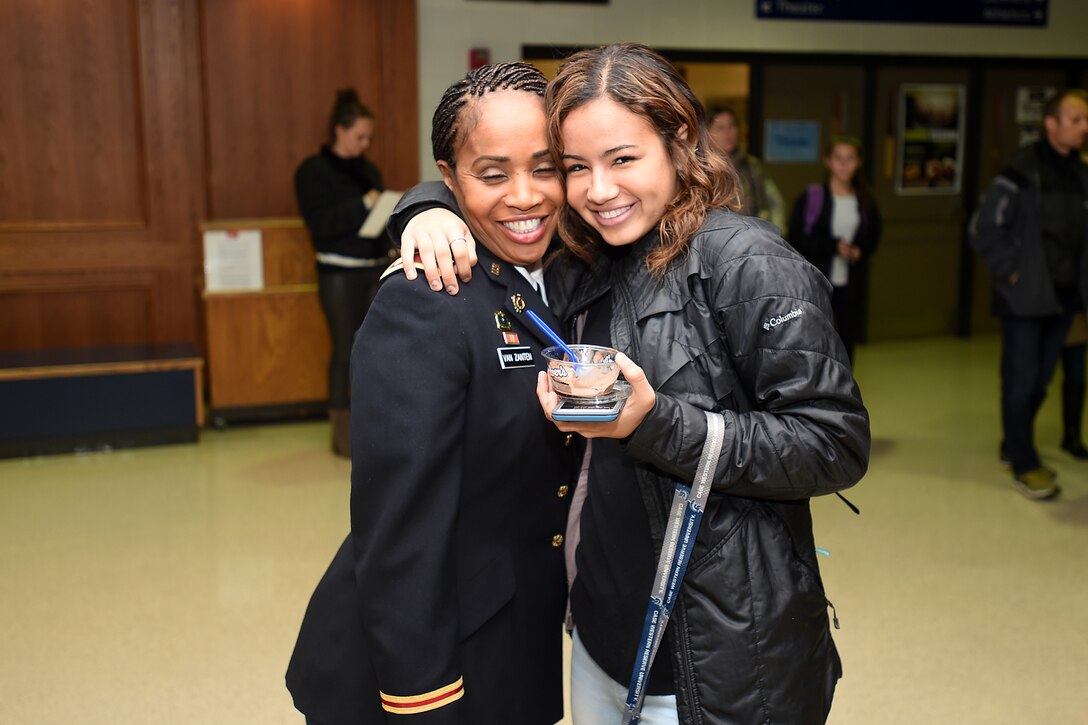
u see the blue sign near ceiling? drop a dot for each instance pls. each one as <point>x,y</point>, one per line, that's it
<point>1032,13</point>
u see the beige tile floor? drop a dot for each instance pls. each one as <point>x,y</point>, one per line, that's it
<point>165,585</point>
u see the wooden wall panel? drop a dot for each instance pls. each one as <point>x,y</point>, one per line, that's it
<point>71,148</point>
<point>112,148</point>
<point>397,147</point>
<point>100,128</point>
<point>80,310</point>
<point>271,71</point>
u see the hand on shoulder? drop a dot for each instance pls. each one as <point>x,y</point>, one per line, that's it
<point>444,245</point>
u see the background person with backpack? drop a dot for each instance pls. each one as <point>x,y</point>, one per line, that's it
<point>836,226</point>
<point>1031,229</point>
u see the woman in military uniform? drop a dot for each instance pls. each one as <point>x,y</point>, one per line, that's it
<point>445,603</point>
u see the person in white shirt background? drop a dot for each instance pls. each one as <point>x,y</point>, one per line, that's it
<point>836,225</point>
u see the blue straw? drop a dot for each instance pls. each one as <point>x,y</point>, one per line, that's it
<point>551,334</point>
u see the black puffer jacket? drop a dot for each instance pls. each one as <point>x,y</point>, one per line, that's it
<point>742,327</point>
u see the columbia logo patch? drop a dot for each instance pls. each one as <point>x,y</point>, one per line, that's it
<point>774,322</point>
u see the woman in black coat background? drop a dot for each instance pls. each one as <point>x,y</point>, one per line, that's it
<point>336,189</point>
<point>836,226</point>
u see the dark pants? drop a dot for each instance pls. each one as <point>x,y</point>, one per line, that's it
<point>1030,347</point>
<point>1073,361</point>
<point>844,305</point>
<point>345,297</point>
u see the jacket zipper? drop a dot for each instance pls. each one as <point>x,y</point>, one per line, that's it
<point>834,614</point>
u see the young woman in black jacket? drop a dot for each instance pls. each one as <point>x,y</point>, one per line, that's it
<point>336,189</point>
<point>837,226</point>
<point>731,330</point>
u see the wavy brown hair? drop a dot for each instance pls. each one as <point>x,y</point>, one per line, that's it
<point>646,84</point>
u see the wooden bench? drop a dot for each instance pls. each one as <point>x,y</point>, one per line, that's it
<point>60,401</point>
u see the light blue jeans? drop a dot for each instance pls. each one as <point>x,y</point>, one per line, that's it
<point>597,699</point>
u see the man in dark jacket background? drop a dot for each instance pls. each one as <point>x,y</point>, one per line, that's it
<point>1031,230</point>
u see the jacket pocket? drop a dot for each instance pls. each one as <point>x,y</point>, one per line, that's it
<point>723,518</point>
<point>702,377</point>
<point>482,594</point>
<point>1033,293</point>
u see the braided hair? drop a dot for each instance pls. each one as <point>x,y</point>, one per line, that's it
<point>446,126</point>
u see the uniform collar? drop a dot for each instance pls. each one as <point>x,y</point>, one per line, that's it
<point>520,294</point>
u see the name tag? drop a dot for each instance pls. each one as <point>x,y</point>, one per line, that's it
<point>515,357</point>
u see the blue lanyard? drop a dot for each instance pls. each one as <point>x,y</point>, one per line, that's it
<point>684,519</point>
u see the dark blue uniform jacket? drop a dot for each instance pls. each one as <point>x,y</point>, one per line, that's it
<point>446,601</point>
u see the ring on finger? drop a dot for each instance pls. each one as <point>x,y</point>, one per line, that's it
<point>458,239</point>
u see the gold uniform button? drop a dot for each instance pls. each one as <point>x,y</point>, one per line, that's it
<point>568,439</point>
<point>563,490</point>
<point>557,541</point>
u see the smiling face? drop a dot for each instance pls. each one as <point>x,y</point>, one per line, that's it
<point>620,178</point>
<point>503,177</point>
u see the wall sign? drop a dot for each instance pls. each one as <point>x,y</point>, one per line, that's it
<point>791,142</point>
<point>960,12</point>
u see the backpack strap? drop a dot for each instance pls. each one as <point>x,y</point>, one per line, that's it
<point>814,204</point>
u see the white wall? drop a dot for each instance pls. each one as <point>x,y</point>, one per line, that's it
<point>449,28</point>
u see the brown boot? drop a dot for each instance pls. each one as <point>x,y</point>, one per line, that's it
<point>341,431</point>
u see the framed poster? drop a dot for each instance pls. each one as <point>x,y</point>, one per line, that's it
<point>929,158</point>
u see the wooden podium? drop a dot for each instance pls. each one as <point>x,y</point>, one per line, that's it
<point>268,349</point>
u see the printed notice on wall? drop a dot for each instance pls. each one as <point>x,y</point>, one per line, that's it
<point>233,260</point>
